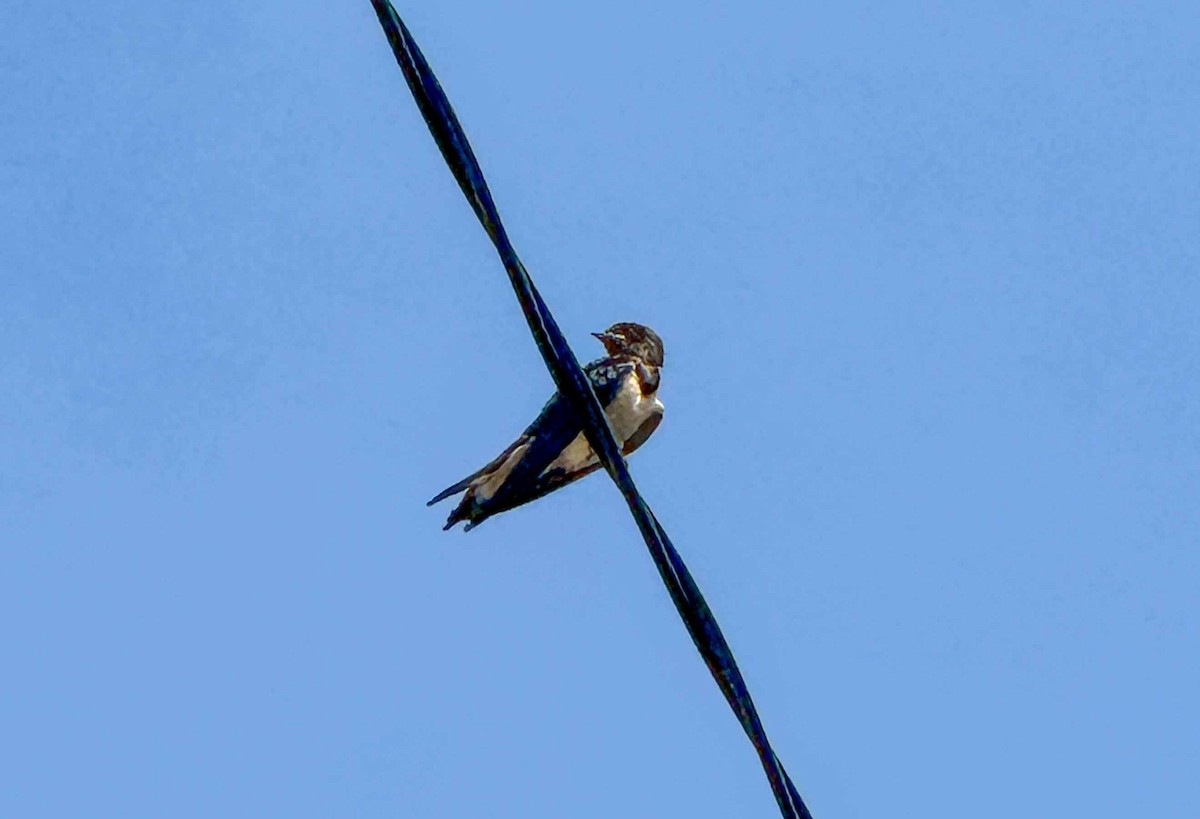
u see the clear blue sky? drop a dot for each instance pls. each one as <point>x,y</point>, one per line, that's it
<point>927,274</point>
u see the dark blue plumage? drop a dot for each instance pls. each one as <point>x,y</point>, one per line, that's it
<point>552,451</point>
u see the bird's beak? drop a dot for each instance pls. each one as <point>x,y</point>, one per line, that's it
<point>602,336</point>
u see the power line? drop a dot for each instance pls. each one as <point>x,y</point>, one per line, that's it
<point>572,383</point>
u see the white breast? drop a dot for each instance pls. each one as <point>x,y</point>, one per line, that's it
<point>626,414</point>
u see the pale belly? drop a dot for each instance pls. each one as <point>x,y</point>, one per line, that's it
<point>626,414</point>
<point>488,484</point>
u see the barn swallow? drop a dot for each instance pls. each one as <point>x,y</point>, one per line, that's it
<point>553,451</point>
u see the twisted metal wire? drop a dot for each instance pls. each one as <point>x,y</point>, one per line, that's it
<point>572,383</point>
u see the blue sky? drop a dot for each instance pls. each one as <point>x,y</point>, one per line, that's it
<point>927,278</point>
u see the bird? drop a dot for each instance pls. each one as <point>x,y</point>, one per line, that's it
<point>553,450</point>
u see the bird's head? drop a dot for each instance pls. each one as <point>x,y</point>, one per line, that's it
<point>637,340</point>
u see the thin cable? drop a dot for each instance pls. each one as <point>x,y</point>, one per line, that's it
<point>571,382</point>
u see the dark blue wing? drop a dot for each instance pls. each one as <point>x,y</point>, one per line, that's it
<point>555,427</point>
<point>549,434</point>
